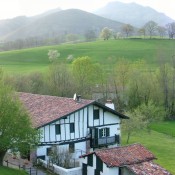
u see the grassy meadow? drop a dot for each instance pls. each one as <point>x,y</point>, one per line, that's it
<point>106,53</point>
<point>160,144</point>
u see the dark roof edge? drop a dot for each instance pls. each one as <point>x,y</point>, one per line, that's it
<point>111,110</point>
<point>92,103</point>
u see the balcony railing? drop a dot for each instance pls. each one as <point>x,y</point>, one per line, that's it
<point>106,140</point>
<point>96,142</point>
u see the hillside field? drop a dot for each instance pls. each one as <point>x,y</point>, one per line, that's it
<point>106,53</point>
<point>160,144</point>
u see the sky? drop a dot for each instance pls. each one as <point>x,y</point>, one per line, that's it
<point>13,8</point>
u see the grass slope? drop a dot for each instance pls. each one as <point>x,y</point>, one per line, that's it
<point>161,145</point>
<point>9,171</point>
<point>167,127</point>
<point>105,53</point>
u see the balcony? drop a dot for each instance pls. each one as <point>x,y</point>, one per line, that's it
<point>106,140</point>
<point>103,141</point>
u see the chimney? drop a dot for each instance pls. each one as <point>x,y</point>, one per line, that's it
<point>110,104</point>
<point>78,98</point>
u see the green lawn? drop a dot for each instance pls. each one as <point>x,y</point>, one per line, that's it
<point>107,53</point>
<point>161,145</point>
<point>167,127</point>
<point>9,171</point>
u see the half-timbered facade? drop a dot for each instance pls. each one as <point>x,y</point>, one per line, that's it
<point>76,124</point>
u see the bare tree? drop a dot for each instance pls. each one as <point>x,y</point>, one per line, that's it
<point>127,29</point>
<point>142,31</point>
<point>150,28</point>
<point>171,29</point>
<point>161,30</point>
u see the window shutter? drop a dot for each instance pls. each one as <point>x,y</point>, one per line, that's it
<point>72,128</point>
<point>100,133</point>
<point>117,139</point>
<point>57,129</point>
<point>90,160</point>
<point>99,164</point>
<point>107,132</point>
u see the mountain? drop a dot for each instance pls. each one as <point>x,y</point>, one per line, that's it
<point>132,13</point>
<point>71,21</point>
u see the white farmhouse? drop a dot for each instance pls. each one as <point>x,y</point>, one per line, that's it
<point>75,124</point>
<point>127,160</point>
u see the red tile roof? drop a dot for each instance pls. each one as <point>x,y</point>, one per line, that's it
<point>126,155</point>
<point>148,168</point>
<point>44,109</point>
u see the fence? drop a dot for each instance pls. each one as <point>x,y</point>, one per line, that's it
<point>30,170</point>
<point>62,171</point>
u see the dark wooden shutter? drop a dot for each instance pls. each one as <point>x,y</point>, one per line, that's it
<point>96,114</point>
<point>117,139</point>
<point>100,133</point>
<point>99,164</point>
<point>84,169</point>
<point>57,129</point>
<point>72,128</point>
<point>96,137</point>
<point>90,160</point>
<point>107,132</point>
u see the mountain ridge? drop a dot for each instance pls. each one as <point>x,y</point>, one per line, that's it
<point>129,12</point>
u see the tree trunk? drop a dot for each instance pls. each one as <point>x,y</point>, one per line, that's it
<point>128,137</point>
<point>2,154</point>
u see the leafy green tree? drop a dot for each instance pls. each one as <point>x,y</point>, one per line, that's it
<point>141,118</point>
<point>16,130</point>
<point>86,74</point>
<point>133,124</point>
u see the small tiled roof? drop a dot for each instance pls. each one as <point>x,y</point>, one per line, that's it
<point>125,155</point>
<point>44,109</point>
<point>148,168</point>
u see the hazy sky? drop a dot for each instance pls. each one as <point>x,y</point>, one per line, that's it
<point>13,8</point>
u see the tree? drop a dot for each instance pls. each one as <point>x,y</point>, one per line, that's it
<point>106,33</point>
<point>60,80</point>
<point>133,124</point>
<point>150,28</point>
<point>86,74</point>
<point>141,118</point>
<point>142,31</point>
<point>161,30</point>
<point>90,35</point>
<point>16,130</point>
<point>127,29</point>
<point>171,29</point>
<point>53,55</point>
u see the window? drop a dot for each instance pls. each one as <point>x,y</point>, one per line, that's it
<point>71,147</point>
<point>72,128</point>
<point>104,132</point>
<point>49,151</point>
<point>96,114</point>
<point>90,160</point>
<point>58,129</point>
